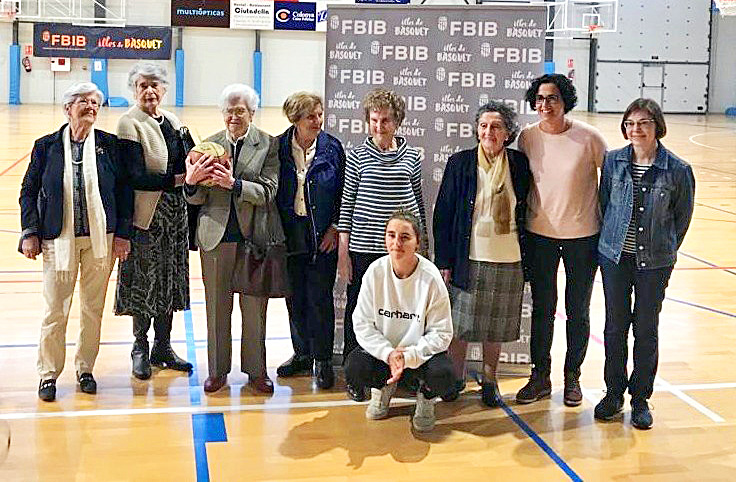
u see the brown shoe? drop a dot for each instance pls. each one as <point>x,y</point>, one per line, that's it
<point>573,394</point>
<point>212,384</point>
<point>262,384</point>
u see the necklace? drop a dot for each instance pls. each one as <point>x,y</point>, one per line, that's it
<point>159,119</point>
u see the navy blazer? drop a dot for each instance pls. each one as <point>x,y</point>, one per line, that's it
<point>453,212</point>
<point>322,189</point>
<point>42,191</point>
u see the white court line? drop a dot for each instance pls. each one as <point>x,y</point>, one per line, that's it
<point>690,401</point>
<point>590,394</point>
<point>692,137</point>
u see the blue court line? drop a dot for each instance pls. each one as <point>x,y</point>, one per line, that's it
<point>207,427</point>
<point>712,265</point>
<point>541,443</point>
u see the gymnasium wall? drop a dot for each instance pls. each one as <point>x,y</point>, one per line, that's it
<point>291,61</point>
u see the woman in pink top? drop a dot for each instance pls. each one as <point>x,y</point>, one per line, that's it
<point>562,223</point>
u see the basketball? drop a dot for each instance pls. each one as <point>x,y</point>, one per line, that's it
<point>218,153</point>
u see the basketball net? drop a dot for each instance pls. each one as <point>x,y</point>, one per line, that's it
<point>726,7</point>
<point>8,9</point>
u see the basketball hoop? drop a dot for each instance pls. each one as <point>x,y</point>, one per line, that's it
<point>725,7</point>
<point>8,10</point>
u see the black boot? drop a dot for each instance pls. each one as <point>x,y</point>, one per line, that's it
<point>162,355</point>
<point>139,355</point>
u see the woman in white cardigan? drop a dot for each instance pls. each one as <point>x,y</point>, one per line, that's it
<point>403,326</point>
<point>154,281</point>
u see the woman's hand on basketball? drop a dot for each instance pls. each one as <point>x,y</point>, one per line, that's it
<point>199,170</point>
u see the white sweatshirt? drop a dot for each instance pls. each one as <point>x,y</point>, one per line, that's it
<point>413,313</point>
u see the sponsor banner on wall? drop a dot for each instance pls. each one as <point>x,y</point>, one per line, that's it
<point>321,20</point>
<point>295,16</point>
<point>445,61</point>
<point>382,1</point>
<point>251,14</point>
<point>130,42</point>
<point>200,13</point>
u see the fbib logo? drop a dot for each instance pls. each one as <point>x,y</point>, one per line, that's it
<point>437,174</point>
<point>440,74</point>
<point>375,47</point>
<point>485,49</point>
<point>439,124</point>
<point>334,22</point>
<point>332,71</point>
<point>331,120</point>
<point>442,24</point>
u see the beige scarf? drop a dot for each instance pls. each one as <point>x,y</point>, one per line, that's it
<point>64,244</point>
<point>500,200</point>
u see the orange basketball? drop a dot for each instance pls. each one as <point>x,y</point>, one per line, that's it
<point>218,153</point>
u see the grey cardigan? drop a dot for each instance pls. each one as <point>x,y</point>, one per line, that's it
<point>257,166</point>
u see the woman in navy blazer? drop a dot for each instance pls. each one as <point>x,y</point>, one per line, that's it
<point>310,188</point>
<point>75,210</point>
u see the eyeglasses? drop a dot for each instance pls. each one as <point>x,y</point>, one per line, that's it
<point>496,126</point>
<point>88,102</point>
<point>552,99</point>
<point>644,123</point>
<point>236,111</point>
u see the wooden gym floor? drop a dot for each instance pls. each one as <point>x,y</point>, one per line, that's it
<point>168,429</point>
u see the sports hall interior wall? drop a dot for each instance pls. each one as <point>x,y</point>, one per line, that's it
<point>291,61</point>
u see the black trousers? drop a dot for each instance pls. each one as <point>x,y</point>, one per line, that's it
<point>360,262</point>
<point>648,287</point>
<point>579,257</point>
<point>364,370</point>
<point>311,306</point>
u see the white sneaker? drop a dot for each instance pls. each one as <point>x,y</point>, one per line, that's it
<point>380,400</point>
<point>424,419</point>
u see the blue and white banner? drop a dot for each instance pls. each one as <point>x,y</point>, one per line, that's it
<point>295,16</point>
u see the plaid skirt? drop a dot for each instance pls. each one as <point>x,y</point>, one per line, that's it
<point>490,309</point>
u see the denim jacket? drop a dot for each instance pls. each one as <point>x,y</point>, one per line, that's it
<point>668,195</point>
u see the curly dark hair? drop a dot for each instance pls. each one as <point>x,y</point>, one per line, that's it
<point>508,114</point>
<point>567,90</point>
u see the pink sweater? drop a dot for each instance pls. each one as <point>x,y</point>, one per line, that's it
<point>563,199</point>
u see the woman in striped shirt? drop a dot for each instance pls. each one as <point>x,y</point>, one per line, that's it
<point>382,175</point>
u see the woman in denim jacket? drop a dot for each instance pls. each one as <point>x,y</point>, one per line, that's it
<point>646,197</point>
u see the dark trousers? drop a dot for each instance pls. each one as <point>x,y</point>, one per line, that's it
<point>579,257</point>
<point>311,306</point>
<point>360,262</point>
<point>364,370</point>
<point>648,288</point>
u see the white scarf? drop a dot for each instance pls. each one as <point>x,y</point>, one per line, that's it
<point>64,244</point>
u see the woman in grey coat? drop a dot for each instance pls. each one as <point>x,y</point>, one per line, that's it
<point>238,208</point>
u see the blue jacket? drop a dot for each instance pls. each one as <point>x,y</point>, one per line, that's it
<point>323,186</point>
<point>668,197</point>
<point>42,191</point>
<point>453,211</point>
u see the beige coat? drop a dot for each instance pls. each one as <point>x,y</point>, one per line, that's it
<point>135,125</point>
<point>258,167</point>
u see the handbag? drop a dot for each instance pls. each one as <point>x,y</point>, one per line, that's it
<point>192,210</point>
<point>260,271</point>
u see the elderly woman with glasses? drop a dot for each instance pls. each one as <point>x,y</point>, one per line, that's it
<point>479,221</point>
<point>382,175</point>
<point>237,203</point>
<point>647,198</point>
<point>562,223</point>
<point>153,282</point>
<point>75,210</point>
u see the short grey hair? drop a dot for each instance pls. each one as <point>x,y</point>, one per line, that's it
<point>239,92</point>
<point>149,70</point>
<point>81,89</point>
<point>508,114</point>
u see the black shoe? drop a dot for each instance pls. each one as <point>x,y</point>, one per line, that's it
<point>324,374</point>
<point>490,395</point>
<point>573,394</point>
<point>47,390</point>
<point>295,365</point>
<point>141,362</point>
<point>87,383</point>
<point>163,356</point>
<point>454,392</point>
<point>355,393</point>
<point>608,407</point>
<point>538,387</point>
<point>641,417</point>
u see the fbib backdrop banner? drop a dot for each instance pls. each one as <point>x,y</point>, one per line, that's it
<point>445,61</point>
